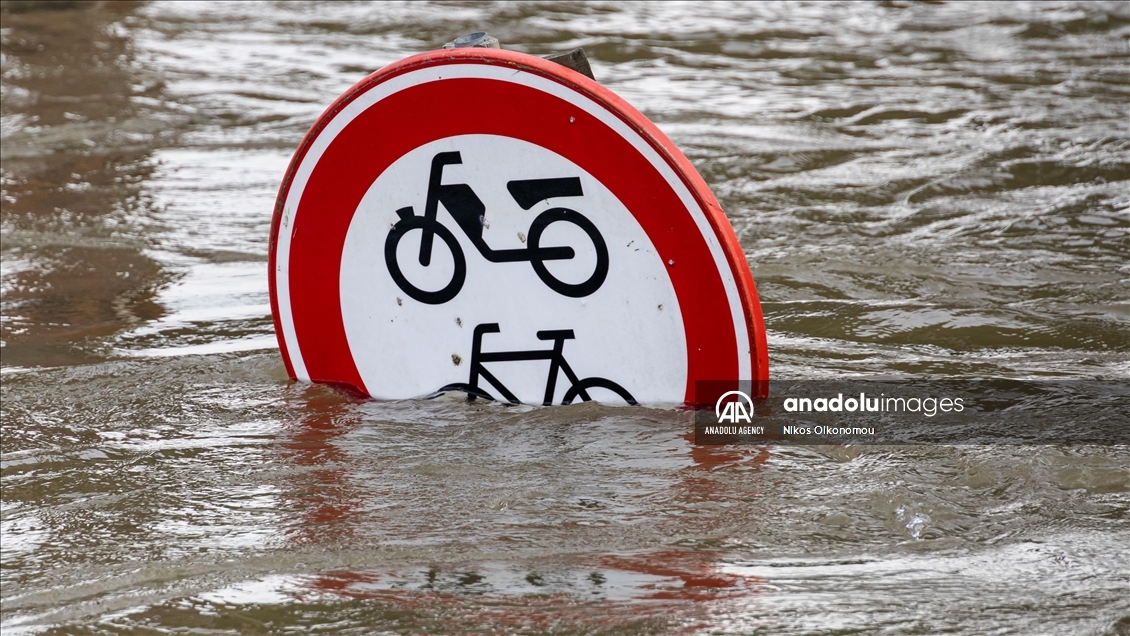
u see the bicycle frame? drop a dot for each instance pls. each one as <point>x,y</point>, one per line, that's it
<point>557,362</point>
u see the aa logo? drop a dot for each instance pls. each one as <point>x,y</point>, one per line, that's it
<point>736,410</point>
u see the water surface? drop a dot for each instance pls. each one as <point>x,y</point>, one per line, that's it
<point>922,190</point>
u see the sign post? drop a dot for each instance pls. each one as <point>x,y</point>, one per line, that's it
<point>487,221</point>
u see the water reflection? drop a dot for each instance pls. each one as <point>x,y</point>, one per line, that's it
<point>76,146</point>
<point>343,493</point>
<point>320,481</point>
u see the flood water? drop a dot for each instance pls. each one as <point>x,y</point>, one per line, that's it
<point>921,190</point>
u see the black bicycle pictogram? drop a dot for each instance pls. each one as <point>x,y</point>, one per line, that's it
<point>468,211</point>
<point>557,363</point>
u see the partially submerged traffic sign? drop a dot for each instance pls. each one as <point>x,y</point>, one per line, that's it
<point>491,222</point>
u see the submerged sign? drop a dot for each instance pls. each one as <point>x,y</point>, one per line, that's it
<point>490,222</point>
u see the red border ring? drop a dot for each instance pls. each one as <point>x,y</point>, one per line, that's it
<point>732,250</point>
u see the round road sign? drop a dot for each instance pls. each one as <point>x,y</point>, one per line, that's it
<point>491,222</point>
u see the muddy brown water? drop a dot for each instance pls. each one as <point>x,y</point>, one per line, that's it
<point>921,189</point>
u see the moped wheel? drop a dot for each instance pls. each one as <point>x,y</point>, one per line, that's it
<point>573,290</point>
<point>451,290</point>
<point>585,384</point>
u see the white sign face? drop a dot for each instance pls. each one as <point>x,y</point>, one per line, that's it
<point>523,241</point>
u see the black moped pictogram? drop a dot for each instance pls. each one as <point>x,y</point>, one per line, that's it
<point>468,210</point>
<point>578,387</point>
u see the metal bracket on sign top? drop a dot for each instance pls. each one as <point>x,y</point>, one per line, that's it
<point>575,59</point>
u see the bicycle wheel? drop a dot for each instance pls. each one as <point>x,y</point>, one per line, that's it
<point>573,290</point>
<point>398,231</point>
<point>596,383</point>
